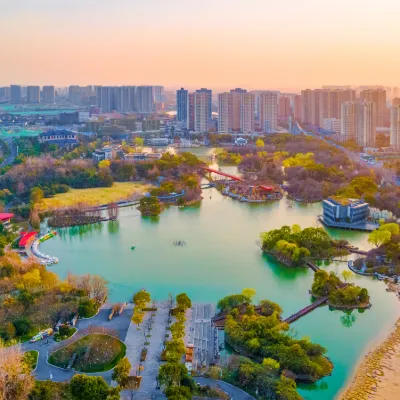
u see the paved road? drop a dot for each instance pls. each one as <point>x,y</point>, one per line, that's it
<point>13,152</point>
<point>46,371</point>
<point>233,391</point>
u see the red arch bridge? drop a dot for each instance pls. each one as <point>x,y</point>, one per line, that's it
<point>235,178</point>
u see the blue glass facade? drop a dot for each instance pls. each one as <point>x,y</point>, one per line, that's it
<point>182,100</point>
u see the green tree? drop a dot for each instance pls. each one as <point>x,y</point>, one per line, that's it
<point>37,195</point>
<point>141,298</point>
<point>346,274</point>
<point>121,371</point>
<point>84,387</point>
<point>171,373</point>
<point>393,228</point>
<point>139,142</point>
<point>137,317</point>
<point>249,292</point>
<point>178,393</point>
<point>379,237</point>
<point>183,302</point>
<point>175,348</point>
<point>286,389</point>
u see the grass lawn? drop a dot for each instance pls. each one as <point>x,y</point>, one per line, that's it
<point>30,358</point>
<point>96,353</point>
<point>95,196</point>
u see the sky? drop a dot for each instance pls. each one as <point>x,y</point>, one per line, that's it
<point>219,44</point>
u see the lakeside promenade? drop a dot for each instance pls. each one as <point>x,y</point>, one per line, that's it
<point>378,375</point>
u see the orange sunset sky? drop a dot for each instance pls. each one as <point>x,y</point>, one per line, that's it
<point>219,44</point>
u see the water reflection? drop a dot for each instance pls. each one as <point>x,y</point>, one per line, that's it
<point>79,231</point>
<point>348,319</point>
<point>282,271</point>
<point>113,227</point>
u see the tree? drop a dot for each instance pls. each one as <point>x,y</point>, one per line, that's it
<point>183,302</point>
<point>249,292</point>
<point>15,380</point>
<point>37,195</point>
<point>260,143</point>
<point>346,274</point>
<point>121,371</point>
<point>286,389</point>
<point>139,142</point>
<point>85,387</point>
<point>393,228</point>
<point>104,164</point>
<point>137,317</point>
<point>141,298</point>
<point>379,237</point>
<point>175,348</point>
<point>178,393</point>
<point>171,373</point>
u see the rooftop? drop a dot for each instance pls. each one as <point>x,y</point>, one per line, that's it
<point>343,201</point>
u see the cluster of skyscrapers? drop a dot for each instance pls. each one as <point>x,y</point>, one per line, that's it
<point>143,99</point>
<point>31,94</point>
<point>239,111</point>
<point>352,115</point>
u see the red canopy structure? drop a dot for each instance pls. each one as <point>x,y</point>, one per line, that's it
<point>26,238</point>
<point>4,217</point>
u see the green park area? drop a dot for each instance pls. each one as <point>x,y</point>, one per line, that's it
<point>94,353</point>
<point>95,196</point>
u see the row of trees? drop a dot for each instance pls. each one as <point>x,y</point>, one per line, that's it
<point>173,375</point>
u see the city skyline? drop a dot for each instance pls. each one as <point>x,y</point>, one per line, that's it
<point>287,46</point>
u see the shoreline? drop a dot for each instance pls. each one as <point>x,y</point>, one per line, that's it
<point>377,374</point>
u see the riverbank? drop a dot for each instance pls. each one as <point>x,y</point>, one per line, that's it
<point>378,375</point>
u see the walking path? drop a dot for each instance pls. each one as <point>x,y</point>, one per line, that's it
<point>135,340</point>
<point>46,371</point>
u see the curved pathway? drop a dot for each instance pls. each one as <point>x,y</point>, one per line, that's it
<point>233,391</point>
<point>45,371</point>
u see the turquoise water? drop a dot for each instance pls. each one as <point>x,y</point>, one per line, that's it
<point>19,133</point>
<point>221,257</point>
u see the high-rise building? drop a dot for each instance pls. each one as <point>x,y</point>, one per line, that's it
<point>4,93</point>
<point>191,111</point>
<point>247,113</point>
<point>223,112</point>
<point>144,99</point>
<point>202,110</point>
<point>48,94</point>
<point>16,94</point>
<point>306,106</point>
<point>182,106</point>
<point>33,94</point>
<point>235,105</point>
<point>158,93</point>
<point>359,122</point>
<point>316,100</point>
<point>297,107</point>
<point>269,111</point>
<point>236,111</point>
<point>395,127</point>
<point>378,97</point>
<point>285,110</point>
<point>396,101</point>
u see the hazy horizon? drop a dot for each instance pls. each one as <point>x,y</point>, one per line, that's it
<point>254,44</point>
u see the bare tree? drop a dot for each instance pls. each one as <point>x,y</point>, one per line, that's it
<point>16,381</point>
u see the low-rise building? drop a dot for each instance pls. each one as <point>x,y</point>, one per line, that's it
<point>347,214</point>
<point>107,153</point>
<point>62,138</point>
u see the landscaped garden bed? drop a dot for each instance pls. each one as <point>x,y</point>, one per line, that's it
<point>31,358</point>
<point>95,353</point>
